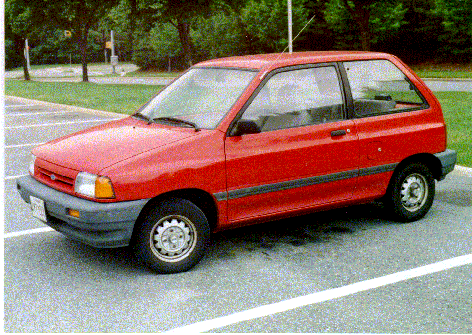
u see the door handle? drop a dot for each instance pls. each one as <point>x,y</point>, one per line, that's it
<point>340,132</point>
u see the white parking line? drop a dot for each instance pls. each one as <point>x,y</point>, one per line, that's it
<point>322,296</point>
<point>57,124</point>
<point>23,145</point>
<point>27,232</point>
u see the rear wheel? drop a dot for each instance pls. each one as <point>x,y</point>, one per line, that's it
<point>172,237</point>
<point>411,193</point>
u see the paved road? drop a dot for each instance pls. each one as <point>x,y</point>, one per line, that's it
<point>53,284</point>
<point>438,85</point>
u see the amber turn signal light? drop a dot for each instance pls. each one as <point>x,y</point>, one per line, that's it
<point>104,188</point>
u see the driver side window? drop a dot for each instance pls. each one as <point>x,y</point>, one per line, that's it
<point>297,98</point>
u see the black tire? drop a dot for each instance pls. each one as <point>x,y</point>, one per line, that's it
<point>410,193</point>
<point>172,237</point>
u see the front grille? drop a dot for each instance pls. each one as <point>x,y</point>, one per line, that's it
<point>56,177</point>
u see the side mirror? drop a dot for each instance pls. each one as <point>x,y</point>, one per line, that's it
<point>246,127</point>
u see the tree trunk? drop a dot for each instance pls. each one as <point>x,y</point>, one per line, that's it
<point>25,66</point>
<point>361,15</point>
<point>363,23</point>
<point>184,35</point>
<point>83,53</point>
<point>20,49</point>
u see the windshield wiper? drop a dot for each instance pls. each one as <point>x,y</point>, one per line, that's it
<point>139,115</point>
<point>177,121</point>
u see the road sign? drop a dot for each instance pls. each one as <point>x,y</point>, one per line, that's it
<point>114,60</point>
<point>108,44</point>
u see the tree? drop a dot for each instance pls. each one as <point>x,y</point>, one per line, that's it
<point>318,35</point>
<point>364,25</point>
<point>18,25</point>
<point>180,13</point>
<point>220,35</point>
<point>232,10</point>
<point>266,20</point>
<point>418,39</point>
<point>360,12</point>
<point>78,16</point>
<point>457,22</point>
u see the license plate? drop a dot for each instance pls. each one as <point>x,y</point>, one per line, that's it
<point>38,208</point>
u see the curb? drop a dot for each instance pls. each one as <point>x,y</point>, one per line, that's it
<point>68,107</point>
<point>153,81</point>
<point>464,170</point>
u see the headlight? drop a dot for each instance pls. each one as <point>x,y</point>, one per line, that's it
<point>31,165</point>
<point>94,186</point>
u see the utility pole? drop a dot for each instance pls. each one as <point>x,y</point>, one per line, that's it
<point>27,55</point>
<point>113,58</point>
<point>289,5</point>
<point>105,49</point>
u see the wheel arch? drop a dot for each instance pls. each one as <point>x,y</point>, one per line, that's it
<point>431,162</point>
<point>200,198</point>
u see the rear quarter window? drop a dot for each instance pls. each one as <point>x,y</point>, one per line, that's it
<point>378,87</point>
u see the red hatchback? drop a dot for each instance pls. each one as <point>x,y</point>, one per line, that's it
<point>240,140</point>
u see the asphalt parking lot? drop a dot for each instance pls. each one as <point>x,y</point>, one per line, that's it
<point>347,270</point>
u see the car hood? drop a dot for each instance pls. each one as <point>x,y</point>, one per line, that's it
<point>96,148</point>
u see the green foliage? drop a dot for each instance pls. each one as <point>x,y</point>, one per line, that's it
<point>267,22</point>
<point>416,30</point>
<point>155,49</point>
<point>12,59</point>
<point>386,20</point>
<point>219,35</point>
<point>164,39</point>
<point>457,23</point>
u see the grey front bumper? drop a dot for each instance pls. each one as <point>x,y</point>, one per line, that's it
<point>100,225</point>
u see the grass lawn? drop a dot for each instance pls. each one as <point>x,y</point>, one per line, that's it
<point>457,110</point>
<point>125,99</point>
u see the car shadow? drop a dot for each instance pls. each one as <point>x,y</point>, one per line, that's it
<point>259,239</point>
<point>313,228</point>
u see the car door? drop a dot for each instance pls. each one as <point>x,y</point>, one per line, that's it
<point>306,152</point>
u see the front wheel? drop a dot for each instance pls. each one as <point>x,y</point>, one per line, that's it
<point>172,237</point>
<point>411,193</point>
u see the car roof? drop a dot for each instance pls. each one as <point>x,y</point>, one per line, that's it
<point>262,61</point>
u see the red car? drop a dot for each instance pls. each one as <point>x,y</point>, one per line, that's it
<point>241,140</point>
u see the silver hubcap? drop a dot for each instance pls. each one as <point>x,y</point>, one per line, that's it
<point>414,192</point>
<point>173,238</point>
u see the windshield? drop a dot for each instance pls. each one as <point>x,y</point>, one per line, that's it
<point>201,96</point>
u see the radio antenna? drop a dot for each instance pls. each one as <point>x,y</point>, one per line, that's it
<point>280,54</point>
